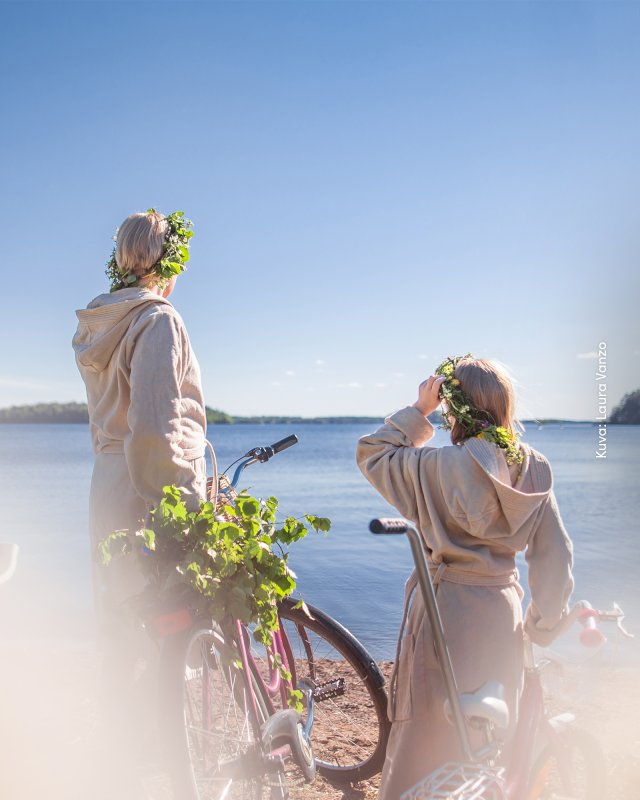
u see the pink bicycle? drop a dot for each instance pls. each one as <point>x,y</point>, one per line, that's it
<point>550,757</point>
<point>227,728</point>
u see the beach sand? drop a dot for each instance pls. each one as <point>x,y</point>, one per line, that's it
<point>48,725</point>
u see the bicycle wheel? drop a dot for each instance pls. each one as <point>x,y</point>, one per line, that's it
<point>350,728</point>
<point>212,733</point>
<point>570,768</point>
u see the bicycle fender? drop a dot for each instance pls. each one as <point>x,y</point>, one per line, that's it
<point>551,730</point>
<point>280,728</point>
<point>562,721</point>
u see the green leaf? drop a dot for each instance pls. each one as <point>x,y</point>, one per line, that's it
<point>149,538</point>
<point>319,523</point>
<point>247,506</point>
<point>295,700</point>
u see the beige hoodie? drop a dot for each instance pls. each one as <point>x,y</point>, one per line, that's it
<point>474,513</point>
<point>143,389</point>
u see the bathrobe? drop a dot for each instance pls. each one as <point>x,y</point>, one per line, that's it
<point>474,512</point>
<point>147,420</point>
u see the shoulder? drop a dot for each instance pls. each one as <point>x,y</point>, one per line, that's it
<point>453,456</point>
<point>538,467</point>
<point>160,315</point>
<point>534,455</point>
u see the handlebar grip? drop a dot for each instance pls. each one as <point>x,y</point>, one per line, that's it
<point>288,441</point>
<point>8,560</point>
<point>590,635</point>
<point>388,525</point>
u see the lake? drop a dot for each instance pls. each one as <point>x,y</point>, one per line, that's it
<point>45,472</point>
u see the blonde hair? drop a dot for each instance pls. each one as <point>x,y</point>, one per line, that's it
<point>490,388</point>
<point>140,241</point>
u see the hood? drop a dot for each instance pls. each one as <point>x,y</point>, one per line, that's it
<point>515,512</point>
<point>105,321</point>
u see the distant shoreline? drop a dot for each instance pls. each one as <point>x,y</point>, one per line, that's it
<point>76,413</point>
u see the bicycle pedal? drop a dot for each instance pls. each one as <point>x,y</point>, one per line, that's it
<point>329,689</point>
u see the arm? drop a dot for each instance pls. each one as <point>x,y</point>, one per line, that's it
<point>153,447</point>
<point>550,558</point>
<point>393,460</point>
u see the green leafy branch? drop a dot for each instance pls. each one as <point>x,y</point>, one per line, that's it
<point>236,569</point>
<point>473,421</point>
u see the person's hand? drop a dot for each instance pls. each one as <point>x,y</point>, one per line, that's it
<point>428,399</point>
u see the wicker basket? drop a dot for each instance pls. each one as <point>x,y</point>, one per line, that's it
<point>225,496</point>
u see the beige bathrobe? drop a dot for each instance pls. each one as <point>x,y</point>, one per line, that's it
<point>475,512</point>
<point>147,416</point>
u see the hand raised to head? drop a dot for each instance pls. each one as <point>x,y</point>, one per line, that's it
<point>428,395</point>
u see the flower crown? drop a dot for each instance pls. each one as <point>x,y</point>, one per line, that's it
<point>175,254</point>
<point>473,421</point>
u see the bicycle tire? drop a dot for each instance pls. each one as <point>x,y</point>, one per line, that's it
<point>210,723</point>
<point>572,766</point>
<point>350,731</point>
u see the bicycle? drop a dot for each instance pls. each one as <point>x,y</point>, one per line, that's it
<point>231,733</point>
<point>550,757</point>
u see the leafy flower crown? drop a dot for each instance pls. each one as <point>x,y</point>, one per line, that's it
<point>473,421</point>
<point>175,254</point>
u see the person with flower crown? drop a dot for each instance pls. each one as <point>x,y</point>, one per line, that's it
<point>477,503</point>
<point>147,421</point>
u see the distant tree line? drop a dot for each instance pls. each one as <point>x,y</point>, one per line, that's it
<point>46,413</point>
<point>77,412</point>
<point>627,412</point>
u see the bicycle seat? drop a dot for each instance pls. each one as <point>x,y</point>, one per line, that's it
<point>486,703</point>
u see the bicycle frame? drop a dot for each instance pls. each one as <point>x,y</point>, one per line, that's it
<point>276,685</point>
<point>531,720</point>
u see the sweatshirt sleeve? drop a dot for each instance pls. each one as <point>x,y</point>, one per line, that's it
<point>152,449</point>
<point>393,460</point>
<point>550,558</point>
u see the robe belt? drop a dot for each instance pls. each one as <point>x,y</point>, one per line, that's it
<point>117,447</point>
<point>441,572</point>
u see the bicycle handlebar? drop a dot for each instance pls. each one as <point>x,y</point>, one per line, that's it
<point>587,616</point>
<point>261,454</point>
<point>388,525</point>
<point>590,635</point>
<point>283,444</point>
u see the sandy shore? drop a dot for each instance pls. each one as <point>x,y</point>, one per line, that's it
<point>49,719</point>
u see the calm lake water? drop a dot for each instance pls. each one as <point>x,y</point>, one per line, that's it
<point>45,472</point>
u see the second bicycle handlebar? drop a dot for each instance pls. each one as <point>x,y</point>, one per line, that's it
<point>587,616</point>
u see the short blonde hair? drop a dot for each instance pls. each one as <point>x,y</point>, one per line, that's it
<point>490,388</point>
<point>139,244</point>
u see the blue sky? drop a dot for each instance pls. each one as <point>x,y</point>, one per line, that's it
<point>374,186</point>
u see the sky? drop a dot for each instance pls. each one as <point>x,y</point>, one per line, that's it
<point>374,186</point>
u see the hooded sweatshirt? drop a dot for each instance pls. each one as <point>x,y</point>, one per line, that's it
<point>143,389</point>
<point>475,512</point>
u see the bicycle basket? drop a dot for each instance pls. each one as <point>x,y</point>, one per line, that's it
<point>459,782</point>
<point>226,496</point>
